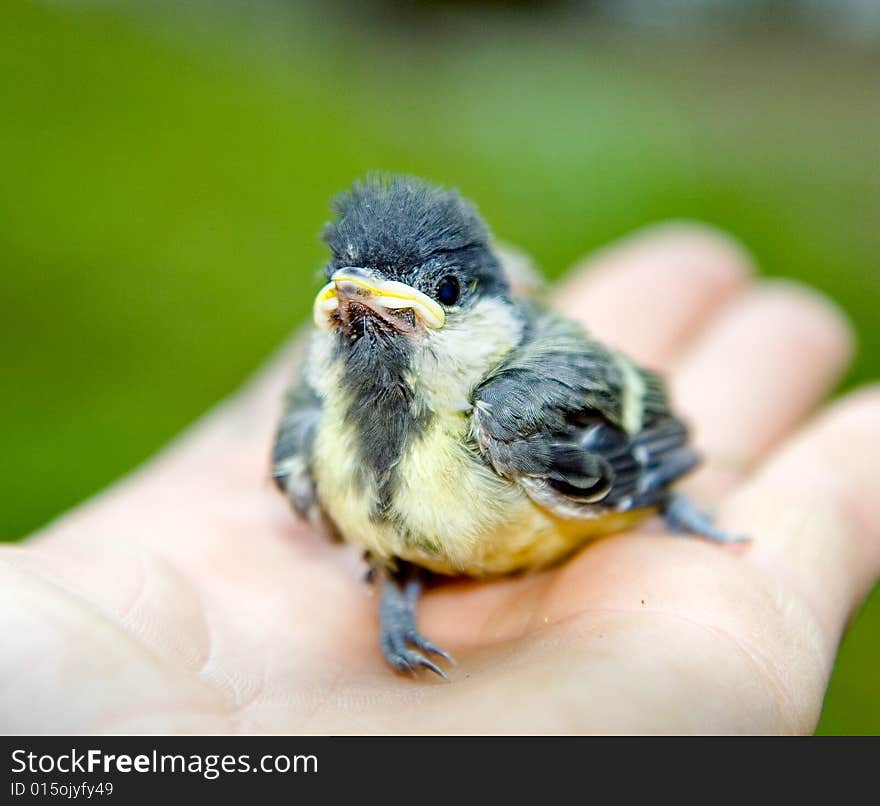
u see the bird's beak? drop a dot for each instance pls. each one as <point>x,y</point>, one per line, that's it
<point>387,299</point>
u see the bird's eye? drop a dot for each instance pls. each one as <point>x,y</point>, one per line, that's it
<point>448,290</point>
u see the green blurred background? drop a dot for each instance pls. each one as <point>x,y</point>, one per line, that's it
<point>165,170</point>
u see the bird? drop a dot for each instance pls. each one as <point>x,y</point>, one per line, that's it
<point>449,423</point>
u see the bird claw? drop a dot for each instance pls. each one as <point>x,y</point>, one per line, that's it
<point>405,659</point>
<point>401,641</point>
<point>418,640</point>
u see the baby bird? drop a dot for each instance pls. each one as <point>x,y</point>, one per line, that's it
<point>446,424</point>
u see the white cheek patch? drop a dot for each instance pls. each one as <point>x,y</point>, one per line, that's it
<point>457,357</point>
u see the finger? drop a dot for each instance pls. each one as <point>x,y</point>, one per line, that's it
<point>814,514</point>
<point>650,294</point>
<point>759,369</point>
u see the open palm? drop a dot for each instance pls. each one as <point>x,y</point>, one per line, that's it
<point>189,599</point>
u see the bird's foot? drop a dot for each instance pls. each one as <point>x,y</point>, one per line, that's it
<point>403,646</point>
<point>683,517</point>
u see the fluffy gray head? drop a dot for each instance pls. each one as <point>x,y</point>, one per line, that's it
<point>415,232</point>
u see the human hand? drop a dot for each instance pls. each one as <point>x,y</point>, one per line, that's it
<point>187,598</point>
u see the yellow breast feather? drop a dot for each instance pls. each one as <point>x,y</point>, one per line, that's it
<point>451,512</point>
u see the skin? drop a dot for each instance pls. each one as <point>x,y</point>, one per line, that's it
<point>186,598</point>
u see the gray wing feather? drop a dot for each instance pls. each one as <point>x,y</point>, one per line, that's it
<point>292,453</point>
<point>557,416</point>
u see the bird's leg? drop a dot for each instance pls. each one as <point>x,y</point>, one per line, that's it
<point>401,641</point>
<point>683,517</point>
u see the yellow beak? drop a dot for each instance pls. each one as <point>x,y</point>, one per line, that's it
<point>388,294</point>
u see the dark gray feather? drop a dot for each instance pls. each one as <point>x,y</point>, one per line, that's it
<point>410,230</point>
<point>552,417</point>
<point>292,451</point>
<point>382,406</point>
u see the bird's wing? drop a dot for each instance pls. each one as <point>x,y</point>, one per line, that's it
<point>578,425</point>
<point>292,452</point>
